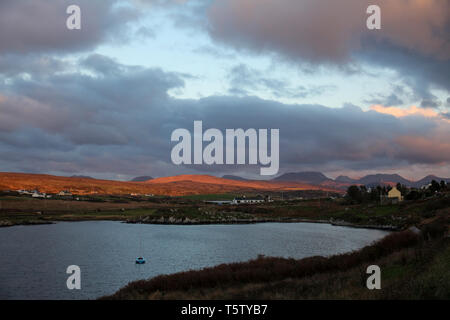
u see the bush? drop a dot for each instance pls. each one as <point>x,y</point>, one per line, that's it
<point>434,230</point>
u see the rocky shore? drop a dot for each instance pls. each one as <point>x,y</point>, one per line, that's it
<point>7,223</point>
<point>188,221</point>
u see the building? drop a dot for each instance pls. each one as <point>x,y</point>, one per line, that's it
<point>394,196</point>
<point>37,194</point>
<point>64,193</point>
<point>241,200</point>
<point>27,192</point>
<point>395,193</point>
<point>244,200</point>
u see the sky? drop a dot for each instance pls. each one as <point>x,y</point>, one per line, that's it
<point>102,101</point>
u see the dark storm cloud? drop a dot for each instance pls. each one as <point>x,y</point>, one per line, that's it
<point>40,25</point>
<point>118,119</point>
<point>329,30</point>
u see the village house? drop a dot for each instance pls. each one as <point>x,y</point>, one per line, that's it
<point>394,196</point>
<point>27,192</point>
<point>244,200</point>
<point>37,194</point>
<point>241,200</point>
<point>395,193</point>
<point>64,193</point>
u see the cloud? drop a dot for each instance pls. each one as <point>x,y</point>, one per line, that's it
<point>389,100</point>
<point>245,80</point>
<point>429,103</point>
<point>12,65</point>
<point>329,30</point>
<point>215,52</point>
<point>106,118</point>
<point>413,39</point>
<point>420,149</point>
<point>40,25</point>
<point>404,112</point>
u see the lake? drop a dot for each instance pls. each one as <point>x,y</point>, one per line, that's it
<point>33,259</point>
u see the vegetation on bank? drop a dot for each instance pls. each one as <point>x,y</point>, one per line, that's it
<point>414,266</point>
<point>362,194</point>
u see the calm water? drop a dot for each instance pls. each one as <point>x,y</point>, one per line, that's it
<point>33,259</point>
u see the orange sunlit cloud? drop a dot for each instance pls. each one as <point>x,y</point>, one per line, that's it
<point>402,112</point>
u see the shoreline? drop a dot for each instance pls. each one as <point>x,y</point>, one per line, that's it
<point>188,222</point>
<point>253,221</point>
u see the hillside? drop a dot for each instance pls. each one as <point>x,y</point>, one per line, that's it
<point>172,186</point>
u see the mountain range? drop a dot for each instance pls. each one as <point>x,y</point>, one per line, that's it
<point>318,178</point>
<point>198,184</point>
<point>171,186</point>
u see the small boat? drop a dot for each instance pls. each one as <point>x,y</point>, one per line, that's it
<point>140,260</point>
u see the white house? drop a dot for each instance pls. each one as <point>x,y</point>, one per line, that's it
<point>64,193</point>
<point>244,200</point>
<point>26,192</point>
<point>37,194</point>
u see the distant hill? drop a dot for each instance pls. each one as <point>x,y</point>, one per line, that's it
<point>342,182</point>
<point>427,180</point>
<point>141,179</point>
<point>231,177</point>
<point>345,179</point>
<point>194,184</point>
<point>383,179</point>
<point>311,177</point>
<point>373,180</point>
<point>173,186</point>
